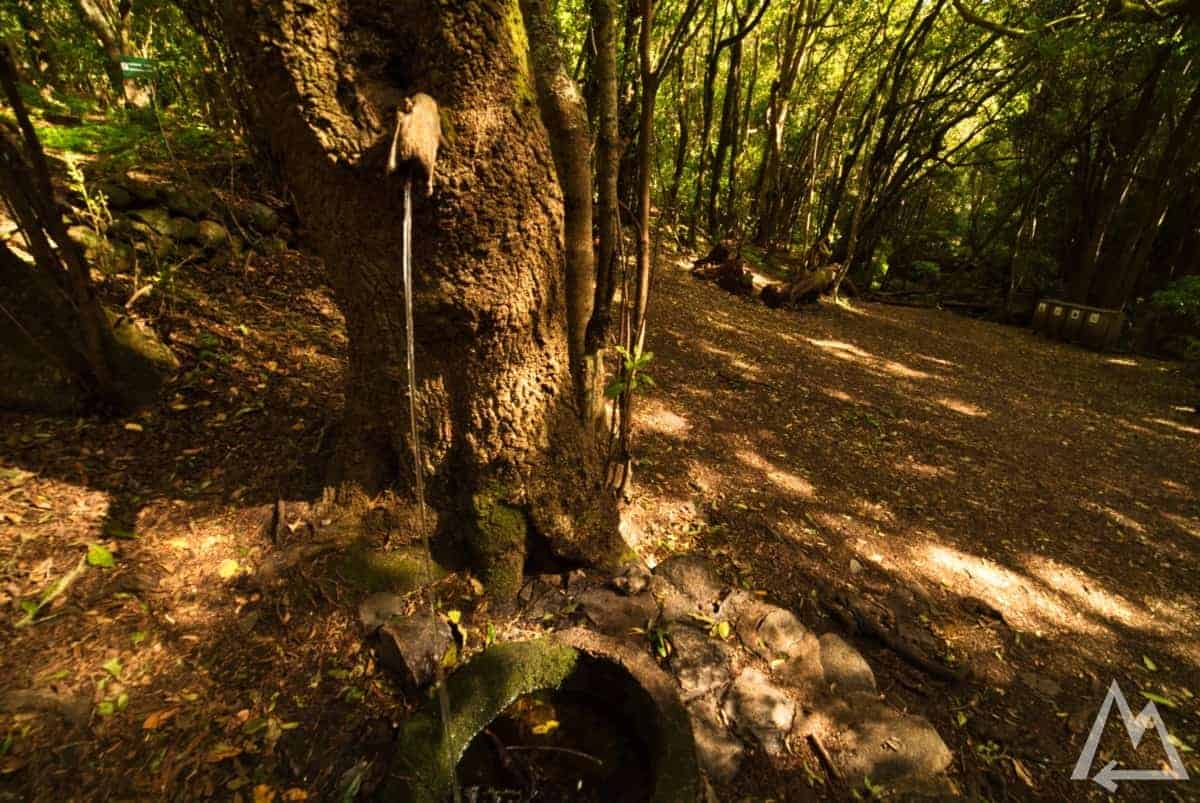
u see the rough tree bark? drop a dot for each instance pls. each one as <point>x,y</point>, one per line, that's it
<point>505,444</point>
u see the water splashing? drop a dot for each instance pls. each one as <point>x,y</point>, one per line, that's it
<point>418,473</point>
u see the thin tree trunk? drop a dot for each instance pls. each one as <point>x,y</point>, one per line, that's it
<point>565,117</point>
<point>608,165</point>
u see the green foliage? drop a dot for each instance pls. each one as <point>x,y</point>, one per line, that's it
<point>1181,297</point>
<point>632,377</point>
<point>923,270</point>
<point>96,214</point>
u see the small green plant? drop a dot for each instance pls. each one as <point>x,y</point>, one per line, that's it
<point>633,376</point>
<point>95,215</point>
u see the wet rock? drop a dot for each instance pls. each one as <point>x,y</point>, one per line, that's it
<point>413,646</point>
<point>719,751</point>
<point>760,710</point>
<point>844,667</point>
<point>380,608</point>
<point>694,576</point>
<point>211,234</point>
<point>700,662</point>
<point>870,739</point>
<point>617,614</point>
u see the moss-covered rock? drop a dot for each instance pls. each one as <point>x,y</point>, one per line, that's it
<point>140,361</point>
<point>397,570</point>
<point>427,754</point>
<point>498,542</point>
<point>42,362</point>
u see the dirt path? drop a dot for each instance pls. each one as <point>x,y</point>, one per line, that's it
<point>1027,510</point>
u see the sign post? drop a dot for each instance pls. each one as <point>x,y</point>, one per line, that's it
<point>137,67</point>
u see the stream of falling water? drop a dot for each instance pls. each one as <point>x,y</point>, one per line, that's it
<point>418,474</point>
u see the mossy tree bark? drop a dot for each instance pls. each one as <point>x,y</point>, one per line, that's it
<point>500,425</point>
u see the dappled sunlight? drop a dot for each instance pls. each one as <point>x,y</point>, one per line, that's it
<point>874,511</point>
<point>710,348</point>
<point>936,361</point>
<point>1175,425</point>
<point>657,417</point>
<point>1025,604</point>
<point>1138,428</point>
<point>1191,526</point>
<point>748,371</point>
<point>961,407</point>
<point>1176,488</point>
<point>851,353</point>
<point>839,395</point>
<point>781,478</point>
<point>1115,516</point>
<point>725,327</point>
<point>924,470</point>
<point>1088,593</point>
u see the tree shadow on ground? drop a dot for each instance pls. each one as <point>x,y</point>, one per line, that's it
<point>1025,507</point>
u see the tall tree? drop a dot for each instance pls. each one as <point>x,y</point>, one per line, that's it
<point>505,442</point>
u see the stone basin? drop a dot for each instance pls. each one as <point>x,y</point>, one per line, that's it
<point>622,684</point>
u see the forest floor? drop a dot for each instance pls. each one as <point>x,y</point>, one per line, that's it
<point>1023,509</point>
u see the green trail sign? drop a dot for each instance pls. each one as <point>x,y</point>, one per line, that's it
<point>134,66</point>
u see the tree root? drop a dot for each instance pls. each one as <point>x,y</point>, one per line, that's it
<point>853,613</point>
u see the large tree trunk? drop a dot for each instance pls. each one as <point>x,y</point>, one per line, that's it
<point>503,438</point>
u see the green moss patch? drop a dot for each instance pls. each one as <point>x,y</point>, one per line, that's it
<point>426,755</point>
<point>499,540</point>
<point>398,570</point>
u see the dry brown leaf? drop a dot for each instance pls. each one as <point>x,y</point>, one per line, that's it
<point>159,718</point>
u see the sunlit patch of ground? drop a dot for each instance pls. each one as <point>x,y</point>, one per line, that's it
<point>1028,508</point>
